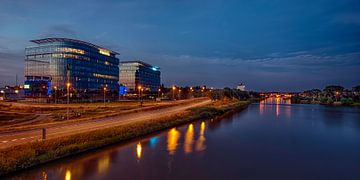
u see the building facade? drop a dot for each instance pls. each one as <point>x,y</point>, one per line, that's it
<point>241,87</point>
<point>90,67</point>
<point>138,73</point>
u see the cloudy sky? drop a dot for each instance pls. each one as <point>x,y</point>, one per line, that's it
<point>287,45</point>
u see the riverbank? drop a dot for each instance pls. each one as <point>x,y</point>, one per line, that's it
<point>20,116</point>
<point>35,153</point>
<point>111,110</point>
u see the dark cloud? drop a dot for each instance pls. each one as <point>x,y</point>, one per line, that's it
<point>296,71</point>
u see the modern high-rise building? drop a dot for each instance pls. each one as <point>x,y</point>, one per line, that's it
<point>91,67</point>
<point>138,73</point>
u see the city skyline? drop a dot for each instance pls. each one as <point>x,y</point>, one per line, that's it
<point>278,45</point>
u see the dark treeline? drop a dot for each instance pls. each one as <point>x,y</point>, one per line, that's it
<point>332,94</point>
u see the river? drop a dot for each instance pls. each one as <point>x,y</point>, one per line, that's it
<point>269,140</point>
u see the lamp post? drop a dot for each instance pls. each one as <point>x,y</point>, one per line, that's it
<point>17,93</point>
<point>191,92</point>
<point>179,95</point>
<point>104,96</point>
<point>173,92</point>
<point>68,90</point>
<point>159,91</point>
<point>3,92</point>
<point>68,99</point>
<point>139,90</point>
<point>55,93</point>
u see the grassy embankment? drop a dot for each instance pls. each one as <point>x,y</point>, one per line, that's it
<point>31,154</point>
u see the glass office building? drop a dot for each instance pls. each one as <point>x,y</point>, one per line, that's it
<point>138,73</point>
<point>91,67</point>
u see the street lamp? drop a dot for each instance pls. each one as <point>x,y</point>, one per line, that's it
<point>3,92</point>
<point>191,92</point>
<point>179,95</point>
<point>202,90</point>
<point>173,94</point>
<point>159,91</point>
<point>104,96</point>
<point>55,93</point>
<point>140,98</point>
<point>68,99</point>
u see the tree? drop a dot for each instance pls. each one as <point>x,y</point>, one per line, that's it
<point>333,88</point>
<point>356,88</point>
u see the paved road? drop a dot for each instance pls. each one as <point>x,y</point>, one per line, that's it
<point>8,139</point>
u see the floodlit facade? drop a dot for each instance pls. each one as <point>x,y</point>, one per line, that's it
<point>138,73</point>
<point>91,67</point>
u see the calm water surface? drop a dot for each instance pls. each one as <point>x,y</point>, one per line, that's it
<point>269,140</point>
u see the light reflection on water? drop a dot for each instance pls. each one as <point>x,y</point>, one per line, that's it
<point>103,164</point>
<point>269,139</point>
<point>277,102</point>
<point>138,150</point>
<point>172,140</point>
<point>200,143</point>
<point>189,138</point>
<point>68,175</point>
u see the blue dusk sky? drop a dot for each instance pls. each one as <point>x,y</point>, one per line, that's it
<point>281,45</point>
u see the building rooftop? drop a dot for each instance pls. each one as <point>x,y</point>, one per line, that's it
<point>50,40</point>
<point>140,62</point>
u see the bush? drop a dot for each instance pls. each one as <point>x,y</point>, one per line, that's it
<point>330,101</point>
<point>346,101</point>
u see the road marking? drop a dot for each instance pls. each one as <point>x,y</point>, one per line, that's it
<point>23,138</point>
<point>4,141</point>
<point>31,137</point>
<point>13,140</point>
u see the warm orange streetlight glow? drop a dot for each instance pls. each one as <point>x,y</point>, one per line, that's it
<point>139,87</point>
<point>68,84</point>
<point>173,87</point>
<point>159,90</point>
<point>104,88</point>
<point>55,87</point>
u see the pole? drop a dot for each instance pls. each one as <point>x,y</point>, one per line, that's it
<point>173,92</point>
<point>139,88</point>
<point>104,96</point>
<point>68,91</point>
<point>141,98</point>
<point>43,134</point>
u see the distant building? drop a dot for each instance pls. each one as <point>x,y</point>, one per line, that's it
<point>91,67</point>
<point>138,73</point>
<point>241,87</point>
